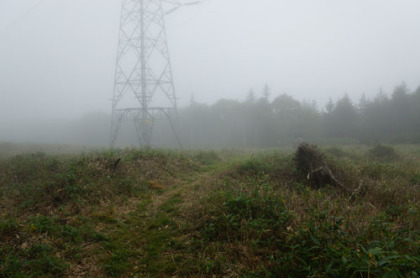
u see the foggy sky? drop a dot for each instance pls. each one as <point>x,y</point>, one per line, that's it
<point>57,57</point>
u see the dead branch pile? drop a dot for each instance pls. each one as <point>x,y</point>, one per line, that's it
<point>312,163</point>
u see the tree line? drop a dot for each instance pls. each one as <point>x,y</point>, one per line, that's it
<point>259,122</point>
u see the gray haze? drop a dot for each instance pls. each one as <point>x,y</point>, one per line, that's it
<point>57,57</point>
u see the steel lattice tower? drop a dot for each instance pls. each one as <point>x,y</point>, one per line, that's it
<point>144,89</point>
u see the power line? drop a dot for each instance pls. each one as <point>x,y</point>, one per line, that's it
<point>21,17</point>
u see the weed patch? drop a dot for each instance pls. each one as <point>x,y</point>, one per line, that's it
<point>264,220</point>
<point>155,213</point>
<point>383,153</point>
<point>207,158</point>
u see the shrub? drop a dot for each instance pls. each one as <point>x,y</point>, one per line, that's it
<point>207,158</point>
<point>383,153</point>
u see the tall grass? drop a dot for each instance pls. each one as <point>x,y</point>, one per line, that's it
<point>267,221</point>
<point>154,213</point>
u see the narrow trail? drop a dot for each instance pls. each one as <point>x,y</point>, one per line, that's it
<point>181,189</point>
<point>163,221</point>
<point>148,222</point>
<point>134,212</point>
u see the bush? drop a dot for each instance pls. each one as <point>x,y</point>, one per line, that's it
<point>383,153</point>
<point>207,158</point>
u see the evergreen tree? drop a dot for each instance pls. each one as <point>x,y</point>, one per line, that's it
<point>344,119</point>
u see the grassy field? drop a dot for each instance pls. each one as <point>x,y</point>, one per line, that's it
<point>155,213</point>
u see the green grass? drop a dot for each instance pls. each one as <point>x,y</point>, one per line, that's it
<point>160,213</point>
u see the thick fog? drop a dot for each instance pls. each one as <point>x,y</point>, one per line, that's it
<point>57,57</point>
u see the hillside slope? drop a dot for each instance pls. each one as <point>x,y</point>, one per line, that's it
<point>147,213</point>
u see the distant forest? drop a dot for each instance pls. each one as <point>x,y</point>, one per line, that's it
<point>262,121</point>
<point>259,122</point>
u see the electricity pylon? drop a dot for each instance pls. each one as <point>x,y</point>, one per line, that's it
<point>144,88</point>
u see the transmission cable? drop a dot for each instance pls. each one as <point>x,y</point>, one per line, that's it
<point>22,16</point>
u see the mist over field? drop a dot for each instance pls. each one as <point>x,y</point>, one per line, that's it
<point>247,73</point>
<point>248,138</point>
<point>257,122</point>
